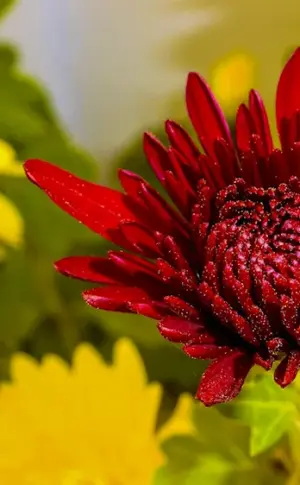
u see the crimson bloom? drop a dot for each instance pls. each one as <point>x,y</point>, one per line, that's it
<point>221,269</point>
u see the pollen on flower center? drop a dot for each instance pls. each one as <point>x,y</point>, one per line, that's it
<point>251,260</point>
<point>267,220</point>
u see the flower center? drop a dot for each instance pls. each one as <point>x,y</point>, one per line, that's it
<point>250,270</point>
<point>261,226</point>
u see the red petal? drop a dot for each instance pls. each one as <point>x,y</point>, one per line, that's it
<point>263,359</point>
<point>144,200</point>
<point>96,270</point>
<point>141,239</point>
<point>288,93</point>
<point>99,208</point>
<point>181,141</point>
<point>230,317</point>
<point>115,298</point>
<point>154,309</point>
<point>178,330</point>
<point>224,378</point>
<point>289,314</point>
<point>118,269</point>
<point>260,118</point>
<point>288,368</point>
<point>205,351</point>
<point>133,264</point>
<point>130,182</point>
<point>244,128</point>
<point>182,308</point>
<point>156,155</point>
<point>205,114</point>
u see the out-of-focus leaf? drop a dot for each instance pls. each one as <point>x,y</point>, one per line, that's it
<point>29,124</point>
<point>167,363</point>
<point>30,295</point>
<point>267,409</point>
<point>141,329</point>
<point>217,455</point>
<point>19,304</point>
<point>182,454</point>
<point>26,107</point>
<point>213,469</point>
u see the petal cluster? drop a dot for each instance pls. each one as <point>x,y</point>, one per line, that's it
<point>219,266</point>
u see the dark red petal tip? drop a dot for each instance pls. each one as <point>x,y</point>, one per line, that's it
<point>288,368</point>
<point>224,378</point>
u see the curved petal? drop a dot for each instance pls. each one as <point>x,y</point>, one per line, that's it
<point>205,114</point>
<point>128,299</point>
<point>157,156</point>
<point>181,141</point>
<point>99,208</point>
<point>89,268</point>
<point>179,330</point>
<point>115,298</point>
<point>224,378</point>
<point>288,368</point>
<point>205,351</point>
<point>244,128</point>
<point>288,93</point>
<point>117,269</point>
<point>260,118</point>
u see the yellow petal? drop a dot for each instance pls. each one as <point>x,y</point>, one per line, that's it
<point>8,162</point>
<point>128,363</point>
<point>11,224</point>
<point>91,423</point>
<point>181,420</point>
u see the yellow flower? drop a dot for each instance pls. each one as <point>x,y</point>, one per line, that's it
<point>91,424</point>
<point>11,227</point>
<point>8,163</point>
<point>232,79</point>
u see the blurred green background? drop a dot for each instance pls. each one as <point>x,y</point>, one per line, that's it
<point>236,45</point>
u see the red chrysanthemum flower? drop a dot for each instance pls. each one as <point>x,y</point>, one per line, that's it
<point>221,270</point>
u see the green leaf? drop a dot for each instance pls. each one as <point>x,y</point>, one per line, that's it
<point>19,305</point>
<point>29,124</point>
<point>267,409</point>
<point>182,453</point>
<point>213,469</point>
<point>217,432</point>
<point>141,329</point>
<point>30,293</point>
<point>217,454</point>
